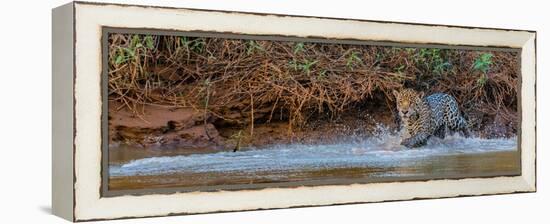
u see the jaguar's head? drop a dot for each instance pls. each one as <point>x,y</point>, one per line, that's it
<point>408,101</point>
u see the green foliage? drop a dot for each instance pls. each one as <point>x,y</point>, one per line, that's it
<point>149,42</point>
<point>185,42</point>
<point>253,46</point>
<point>353,59</point>
<point>129,53</point>
<point>410,50</point>
<point>441,67</point>
<point>305,66</point>
<point>299,47</point>
<point>120,57</point>
<point>197,45</point>
<point>483,62</point>
<point>432,59</point>
<point>378,57</point>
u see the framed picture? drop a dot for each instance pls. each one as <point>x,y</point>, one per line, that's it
<point>162,111</point>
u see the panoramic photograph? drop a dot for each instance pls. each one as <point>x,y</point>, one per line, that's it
<point>197,112</point>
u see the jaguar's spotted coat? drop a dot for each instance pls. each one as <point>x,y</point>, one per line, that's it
<point>424,117</point>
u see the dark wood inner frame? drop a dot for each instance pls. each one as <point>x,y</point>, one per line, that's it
<point>105,192</point>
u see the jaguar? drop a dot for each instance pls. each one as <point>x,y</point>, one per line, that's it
<point>423,117</point>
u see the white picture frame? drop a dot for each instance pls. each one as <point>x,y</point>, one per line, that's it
<point>77,110</point>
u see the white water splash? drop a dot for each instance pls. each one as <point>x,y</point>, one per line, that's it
<point>381,151</point>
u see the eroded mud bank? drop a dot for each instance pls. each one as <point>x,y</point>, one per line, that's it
<point>161,127</point>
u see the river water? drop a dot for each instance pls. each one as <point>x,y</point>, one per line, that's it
<point>369,157</point>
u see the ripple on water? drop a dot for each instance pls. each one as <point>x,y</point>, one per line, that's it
<point>373,152</point>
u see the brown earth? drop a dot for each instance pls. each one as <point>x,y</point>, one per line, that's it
<point>167,127</point>
<point>161,126</point>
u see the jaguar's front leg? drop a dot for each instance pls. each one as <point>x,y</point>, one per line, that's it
<point>415,141</point>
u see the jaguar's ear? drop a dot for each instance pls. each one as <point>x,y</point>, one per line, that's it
<point>396,94</point>
<point>421,94</point>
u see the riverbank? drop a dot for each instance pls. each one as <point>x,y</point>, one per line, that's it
<point>174,129</point>
<point>220,94</point>
<point>162,130</point>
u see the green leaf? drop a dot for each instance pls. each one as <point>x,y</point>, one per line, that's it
<point>135,40</point>
<point>252,46</point>
<point>130,52</point>
<point>119,59</point>
<point>483,62</point>
<point>184,41</point>
<point>197,45</point>
<point>353,59</point>
<point>299,47</point>
<point>149,42</point>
